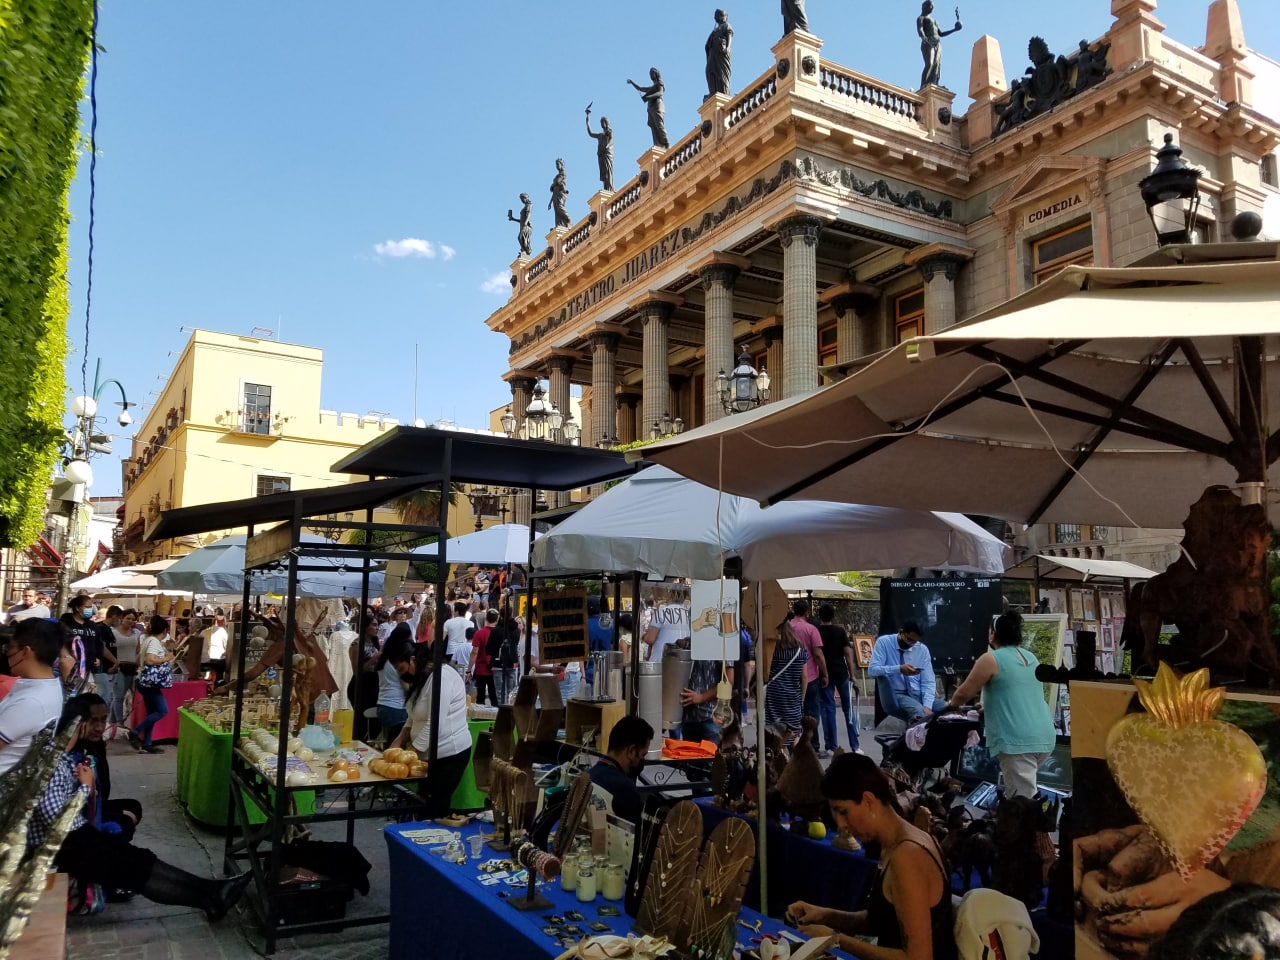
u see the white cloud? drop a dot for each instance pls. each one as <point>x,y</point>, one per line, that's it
<point>410,247</point>
<point>497,283</point>
<point>447,251</point>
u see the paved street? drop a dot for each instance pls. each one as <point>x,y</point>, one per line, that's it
<point>142,930</point>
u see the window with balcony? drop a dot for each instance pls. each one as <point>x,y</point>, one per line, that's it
<point>267,485</point>
<point>908,315</point>
<point>1066,533</point>
<point>255,416</point>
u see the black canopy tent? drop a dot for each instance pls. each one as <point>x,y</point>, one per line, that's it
<point>400,462</point>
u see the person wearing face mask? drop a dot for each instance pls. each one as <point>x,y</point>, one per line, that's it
<point>903,670</point>
<point>1019,726</point>
<point>616,772</point>
<point>86,655</point>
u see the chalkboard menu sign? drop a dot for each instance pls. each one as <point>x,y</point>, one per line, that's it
<point>562,625</point>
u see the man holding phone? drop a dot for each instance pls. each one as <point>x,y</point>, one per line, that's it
<point>903,671</point>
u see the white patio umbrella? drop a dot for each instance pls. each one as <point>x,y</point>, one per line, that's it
<point>660,523</point>
<point>501,543</point>
<point>1152,382</point>
<point>815,584</point>
<point>219,568</point>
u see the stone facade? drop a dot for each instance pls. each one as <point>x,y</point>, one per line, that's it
<point>820,216</point>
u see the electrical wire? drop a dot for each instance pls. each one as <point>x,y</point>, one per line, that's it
<point>924,422</point>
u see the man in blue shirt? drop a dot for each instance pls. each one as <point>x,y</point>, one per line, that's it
<point>903,671</point>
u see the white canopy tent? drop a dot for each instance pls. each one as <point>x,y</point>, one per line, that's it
<point>659,523</point>
<point>825,586</point>
<point>501,543</point>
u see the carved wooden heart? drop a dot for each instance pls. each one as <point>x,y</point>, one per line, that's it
<point>1193,780</point>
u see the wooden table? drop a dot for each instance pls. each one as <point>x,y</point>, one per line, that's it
<point>45,936</point>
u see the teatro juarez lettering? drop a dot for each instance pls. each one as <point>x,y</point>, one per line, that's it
<point>634,268</point>
<point>1035,216</point>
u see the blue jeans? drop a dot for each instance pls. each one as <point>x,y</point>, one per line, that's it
<point>392,720</point>
<point>157,710</point>
<point>505,679</point>
<point>820,703</point>
<point>696,730</point>
<point>909,708</point>
<point>849,709</point>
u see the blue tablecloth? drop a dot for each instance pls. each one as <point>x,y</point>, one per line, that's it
<point>802,869</point>
<point>441,911</point>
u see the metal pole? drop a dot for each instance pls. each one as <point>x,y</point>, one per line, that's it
<point>438,651</point>
<point>762,856</point>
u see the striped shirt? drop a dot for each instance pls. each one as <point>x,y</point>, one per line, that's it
<point>784,697</point>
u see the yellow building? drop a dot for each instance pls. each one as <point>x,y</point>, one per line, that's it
<point>238,417</point>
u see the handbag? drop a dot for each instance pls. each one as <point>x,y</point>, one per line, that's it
<point>154,675</point>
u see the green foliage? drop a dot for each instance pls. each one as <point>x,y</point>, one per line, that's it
<point>43,48</point>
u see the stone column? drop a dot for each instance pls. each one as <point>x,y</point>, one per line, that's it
<point>558,369</point>
<point>627,404</point>
<point>855,305</point>
<point>521,394</point>
<point>799,236</point>
<point>718,278</point>
<point>655,315</point>
<point>939,272</point>
<point>774,346</point>
<point>604,359</point>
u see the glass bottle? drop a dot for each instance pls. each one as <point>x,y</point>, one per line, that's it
<point>614,884</point>
<point>569,872</point>
<point>586,881</point>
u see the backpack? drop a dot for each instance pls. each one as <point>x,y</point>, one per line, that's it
<point>500,649</point>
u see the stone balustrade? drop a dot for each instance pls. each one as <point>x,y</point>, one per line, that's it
<point>751,101</point>
<point>894,101</point>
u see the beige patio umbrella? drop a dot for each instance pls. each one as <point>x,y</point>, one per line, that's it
<point>1105,396</point>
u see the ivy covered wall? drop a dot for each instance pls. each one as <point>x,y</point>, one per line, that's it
<point>44,45</point>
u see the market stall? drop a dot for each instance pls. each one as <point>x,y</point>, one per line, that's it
<point>182,692</point>
<point>414,459</point>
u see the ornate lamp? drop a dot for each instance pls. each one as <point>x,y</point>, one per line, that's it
<point>745,388</point>
<point>537,416</point>
<point>571,431</point>
<point>1171,193</point>
<point>508,421</point>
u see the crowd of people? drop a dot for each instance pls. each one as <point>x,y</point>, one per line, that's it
<point>74,673</point>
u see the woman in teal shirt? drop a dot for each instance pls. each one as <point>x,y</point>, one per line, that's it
<point>1019,726</point>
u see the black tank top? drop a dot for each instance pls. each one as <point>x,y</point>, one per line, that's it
<point>882,917</point>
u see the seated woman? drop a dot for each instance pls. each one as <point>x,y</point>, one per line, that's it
<point>453,752</point>
<point>909,912</point>
<point>96,851</point>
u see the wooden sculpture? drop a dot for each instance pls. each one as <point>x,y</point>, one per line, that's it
<point>1216,593</point>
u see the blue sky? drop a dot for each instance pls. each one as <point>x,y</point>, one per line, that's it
<point>252,157</point>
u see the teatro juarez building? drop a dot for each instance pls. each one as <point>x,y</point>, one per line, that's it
<point>817,215</point>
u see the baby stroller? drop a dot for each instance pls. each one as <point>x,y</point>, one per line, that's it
<point>938,756</point>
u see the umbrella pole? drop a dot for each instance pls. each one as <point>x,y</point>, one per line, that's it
<point>761,767</point>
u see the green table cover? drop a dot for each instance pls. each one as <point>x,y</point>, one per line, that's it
<point>204,774</point>
<point>468,796</point>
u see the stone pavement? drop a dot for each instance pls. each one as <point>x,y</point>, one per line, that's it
<point>142,930</point>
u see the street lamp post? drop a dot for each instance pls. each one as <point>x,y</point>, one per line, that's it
<point>745,388</point>
<point>1171,193</point>
<point>78,445</point>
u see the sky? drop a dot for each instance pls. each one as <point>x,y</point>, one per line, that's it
<point>340,173</point>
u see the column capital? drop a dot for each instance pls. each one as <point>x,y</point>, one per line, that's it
<point>521,384</point>
<point>717,267</point>
<point>850,296</point>
<point>801,226</point>
<point>604,338</point>
<point>627,396</point>
<point>935,258</point>
<point>562,362</point>
<point>656,305</point>
<point>772,335</point>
